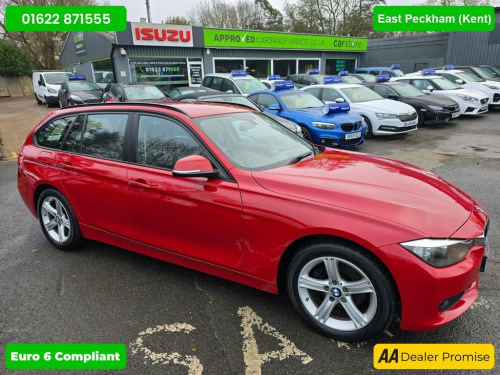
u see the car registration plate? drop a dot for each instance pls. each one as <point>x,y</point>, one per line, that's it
<point>353,135</point>
<point>456,114</point>
<point>414,122</point>
<point>484,108</point>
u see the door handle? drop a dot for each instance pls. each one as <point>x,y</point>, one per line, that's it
<point>140,183</point>
<point>67,165</point>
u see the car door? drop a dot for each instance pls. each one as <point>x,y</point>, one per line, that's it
<point>93,171</point>
<point>197,217</point>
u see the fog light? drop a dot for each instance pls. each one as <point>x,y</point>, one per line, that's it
<point>449,302</point>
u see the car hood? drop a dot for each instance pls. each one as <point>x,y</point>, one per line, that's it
<point>94,94</point>
<point>475,93</point>
<point>317,114</point>
<point>379,187</point>
<point>384,106</point>
<point>431,99</point>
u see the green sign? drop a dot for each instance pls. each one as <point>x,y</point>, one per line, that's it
<point>433,18</point>
<point>257,39</point>
<point>65,356</point>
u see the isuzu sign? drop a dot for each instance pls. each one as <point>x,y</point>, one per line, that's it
<point>156,34</point>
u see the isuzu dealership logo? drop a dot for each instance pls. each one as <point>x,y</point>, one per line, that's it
<point>161,35</point>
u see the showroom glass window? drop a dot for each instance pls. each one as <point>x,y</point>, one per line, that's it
<point>161,142</point>
<point>164,73</point>
<point>226,66</point>
<point>305,65</point>
<point>52,134</point>
<point>104,135</point>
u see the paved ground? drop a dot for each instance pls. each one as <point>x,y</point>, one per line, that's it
<point>104,294</point>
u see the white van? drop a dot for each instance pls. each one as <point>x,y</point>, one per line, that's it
<point>46,85</point>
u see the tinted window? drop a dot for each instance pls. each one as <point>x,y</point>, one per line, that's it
<point>374,72</point>
<point>391,74</point>
<point>228,85</point>
<point>330,95</point>
<point>104,135</point>
<point>174,93</point>
<point>206,81</point>
<point>315,91</point>
<point>74,137</point>
<point>162,142</point>
<point>383,90</point>
<point>421,84</point>
<point>216,83</point>
<point>52,134</point>
<point>266,100</point>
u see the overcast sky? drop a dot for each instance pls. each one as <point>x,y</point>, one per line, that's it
<point>161,9</point>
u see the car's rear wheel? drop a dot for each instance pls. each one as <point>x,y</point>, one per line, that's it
<point>369,129</point>
<point>341,291</point>
<point>420,117</point>
<point>58,221</point>
<point>306,134</point>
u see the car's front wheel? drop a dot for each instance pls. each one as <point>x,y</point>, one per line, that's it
<point>58,221</point>
<point>306,134</point>
<point>341,291</point>
<point>369,128</point>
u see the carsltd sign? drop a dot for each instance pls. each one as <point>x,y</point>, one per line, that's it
<point>257,39</point>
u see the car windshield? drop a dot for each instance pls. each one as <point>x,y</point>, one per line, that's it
<point>249,85</point>
<point>253,141</point>
<point>351,79</point>
<point>483,73</point>
<point>496,69</point>
<point>82,86</point>
<point>407,90</point>
<point>467,77</point>
<point>445,84</point>
<point>56,78</point>
<point>143,93</point>
<point>230,99</point>
<point>300,100</point>
<point>398,73</point>
<point>360,94</point>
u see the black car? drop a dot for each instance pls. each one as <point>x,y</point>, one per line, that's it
<point>79,91</point>
<point>175,92</point>
<point>230,98</point>
<point>135,92</point>
<point>431,108</point>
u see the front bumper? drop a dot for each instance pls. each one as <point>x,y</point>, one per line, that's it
<point>52,100</point>
<point>473,108</point>
<point>336,137</point>
<point>439,117</point>
<point>393,126</point>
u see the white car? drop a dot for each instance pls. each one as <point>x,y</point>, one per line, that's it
<point>470,81</point>
<point>46,85</point>
<point>471,102</point>
<point>382,116</point>
<point>237,82</point>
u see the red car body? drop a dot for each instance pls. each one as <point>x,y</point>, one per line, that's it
<point>248,229</point>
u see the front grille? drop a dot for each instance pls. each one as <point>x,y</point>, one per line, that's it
<point>452,108</point>
<point>397,129</point>
<point>348,127</point>
<point>349,142</point>
<point>484,101</point>
<point>403,118</point>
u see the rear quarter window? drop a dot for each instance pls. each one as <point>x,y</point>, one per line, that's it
<point>52,134</point>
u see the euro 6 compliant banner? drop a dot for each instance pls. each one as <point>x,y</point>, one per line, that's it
<point>433,18</point>
<point>434,356</point>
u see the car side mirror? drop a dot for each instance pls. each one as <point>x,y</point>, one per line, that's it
<point>40,83</point>
<point>230,91</point>
<point>430,88</point>
<point>120,97</point>
<point>392,97</point>
<point>194,166</point>
<point>459,81</point>
<point>274,107</point>
<point>339,100</point>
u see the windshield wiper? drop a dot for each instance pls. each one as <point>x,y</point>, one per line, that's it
<point>300,157</point>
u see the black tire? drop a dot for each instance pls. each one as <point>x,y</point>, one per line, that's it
<point>54,210</point>
<point>306,134</point>
<point>332,295</point>
<point>420,117</point>
<point>38,101</point>
<point>369,130</point>
<point>47,102</point>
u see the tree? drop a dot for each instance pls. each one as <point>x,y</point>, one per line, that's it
<point>44,48</point>
<point>176,20</point>
<point>14,61</point>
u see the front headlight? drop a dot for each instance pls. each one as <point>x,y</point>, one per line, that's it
<point>52,91</point>
<point>435,107</point>
<point>75,98</point>
<point>439,253</point>
<point>467,98</point>
<point>382,116</point>
<point>493,87</point>
<point>324,125</point>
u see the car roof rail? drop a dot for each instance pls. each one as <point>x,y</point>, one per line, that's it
<point>117,104</point>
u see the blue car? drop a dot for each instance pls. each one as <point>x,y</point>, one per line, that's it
<point>329,125</point>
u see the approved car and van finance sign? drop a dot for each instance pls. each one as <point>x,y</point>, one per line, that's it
<point>433,18</point>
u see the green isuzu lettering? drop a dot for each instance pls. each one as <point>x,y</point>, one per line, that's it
<point>256,39</point>
<point>433,18</point>
<point>65,356</point>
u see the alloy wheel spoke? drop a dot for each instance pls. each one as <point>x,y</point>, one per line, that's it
<point>307,282</point>
<point>60,231</point>
<point>50,225</point>
<point>325,309</point>
<point>51,210</point>
<point>361,286</point>
<point>357,317</point>
<point>332,269</point>
<point>65,222</point>
<point>59,208</point>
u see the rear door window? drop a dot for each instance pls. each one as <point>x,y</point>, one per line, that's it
<point>104,135</point>
<point>52,134</point>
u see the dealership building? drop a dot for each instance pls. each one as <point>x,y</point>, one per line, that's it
<point>173,55</point>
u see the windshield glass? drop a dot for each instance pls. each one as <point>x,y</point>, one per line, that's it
<point>484,73</point>
<point>230,99</point>
<point>399,73</point>
<point>360,94</point>
<point>250,85</point>
<point>444,84</point>
<point>300,100</point>
<point>253,141</point>
<point>56,78</point>
<point>351,79</point>
<point>143,93</point>
<point>467,77</point>
<point>496,69</point>
<point>82,86</point>
<point>407,90</point>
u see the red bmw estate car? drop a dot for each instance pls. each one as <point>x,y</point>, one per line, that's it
<point>352,238</point>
